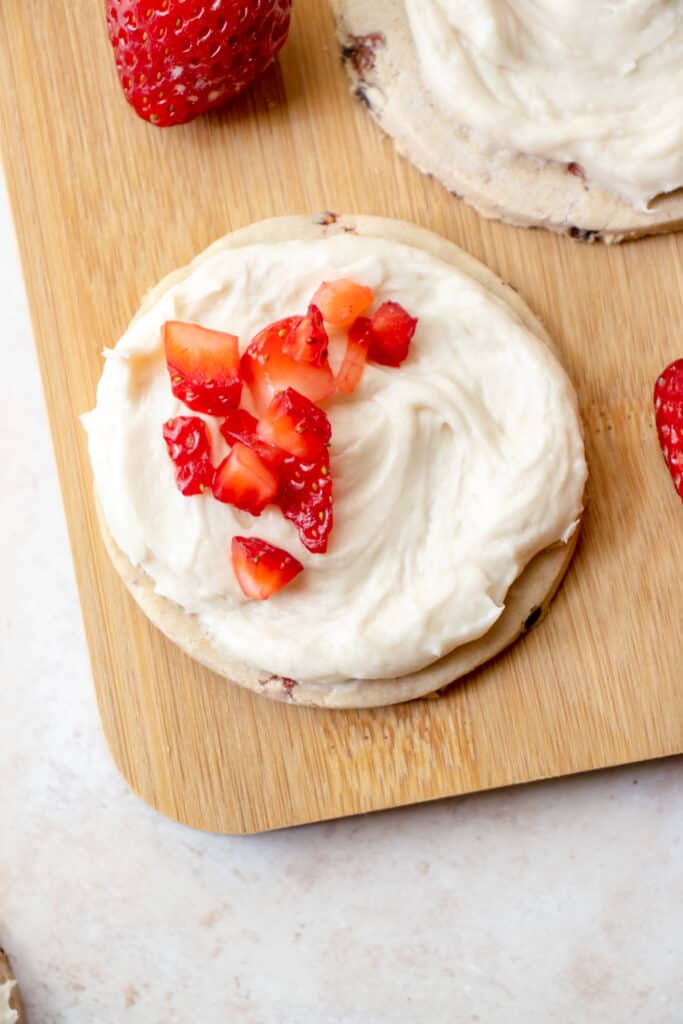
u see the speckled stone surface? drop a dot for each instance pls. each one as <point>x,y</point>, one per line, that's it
<point>559,902</point>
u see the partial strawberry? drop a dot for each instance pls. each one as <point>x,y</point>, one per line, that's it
<point>340,302</point>
<point>176,60</point>
<point>189,445</point>
<point>204,367</point>
<point>669,419</point>
<point>244,480</point>
<point>305,497</point>
<point>261,568</point>
<point>267,369</point>
<point>240,425</point>
<point>356,355</point>
<point>293,423</point>
<point>392,331</point>
<point>307,341</point>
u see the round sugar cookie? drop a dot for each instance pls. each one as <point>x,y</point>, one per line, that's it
<point>380,55</point>
<point>528,596</point>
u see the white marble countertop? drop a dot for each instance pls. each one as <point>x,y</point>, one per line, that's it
<point>560,902</point>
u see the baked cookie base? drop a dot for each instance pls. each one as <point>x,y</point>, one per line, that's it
<point>527,600</point>
<point>378,52</point>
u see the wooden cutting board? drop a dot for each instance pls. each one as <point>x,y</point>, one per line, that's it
<point>105,205</point>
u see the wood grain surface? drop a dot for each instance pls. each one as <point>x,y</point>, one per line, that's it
<point>105,205</point>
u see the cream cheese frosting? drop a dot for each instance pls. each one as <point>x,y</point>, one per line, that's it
<point>599,84</point>
<point>449,473</point>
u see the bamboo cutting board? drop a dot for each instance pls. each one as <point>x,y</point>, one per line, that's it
<point>105,205</point>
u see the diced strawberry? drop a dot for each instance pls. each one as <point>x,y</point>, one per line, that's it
<point>261,568</point>
<point>266,369</point>
<point>189,445</point>
<point>356,355</point>
<point>340,302</point>
<point>392,331</point>
<point>305,498</point>
<point>204,367</point>
<point>296,425</point>
<point>244,480</point>
<point>240,425</point>
<point>195,477</point>
<point>307,341</point>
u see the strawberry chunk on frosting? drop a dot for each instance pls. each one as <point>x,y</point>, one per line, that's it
<point>281,455</point>
<point>203,366</point>
<point>261,568</point>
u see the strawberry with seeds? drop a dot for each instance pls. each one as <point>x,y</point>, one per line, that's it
<point>342,301</point>
<point>261,568</point>
<point>668,400</point>
<point>305,498</point>
<point>189,446</point>
<point>296,425</point>
<point>307,341</point>
<point>266,368</point>
<point>392,331</point>
<point>204,367</point>
<point>240,425</point>
<point>176,60</point>
<point>244,480</point>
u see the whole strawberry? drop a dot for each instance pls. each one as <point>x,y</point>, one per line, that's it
<point>669,419</point>
<point>177,59</point>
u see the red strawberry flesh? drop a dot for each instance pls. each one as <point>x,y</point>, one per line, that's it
<point>176,60</point>
<point>295,424</point>
<point>668,399</point>
<point>356,355</point>
<point>189,446</point>
<point>267,369</point>
<point>307,341</point>
<point>203,366</point>
<point>392,331</point>
<point>261,568</point>
<point>244,480</point>
<point>342,301</point>
<point>240,425</point>
<point>305,498</point>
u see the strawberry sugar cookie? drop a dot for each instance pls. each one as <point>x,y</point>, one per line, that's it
<point>336,461</point>
<point>567,116</point>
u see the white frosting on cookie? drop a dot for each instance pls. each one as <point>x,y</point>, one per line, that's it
<point>599,84</point>
<point>7,1014</point>
<point>450,473</point>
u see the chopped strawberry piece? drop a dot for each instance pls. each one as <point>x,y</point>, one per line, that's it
<point>266,369</point>
<point>189,445</point>
<point>356,355</point>
<point>261,568</point>
<point>244,480</point>
<point>305,498</point>
<point>195,477</point>
<point>307,341</point>
<point>204,367</point>
<point>392,331</point>
<point>669,420</point>
<point>340,302</point>
<point>240,425</point>
<point>296,425</point>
